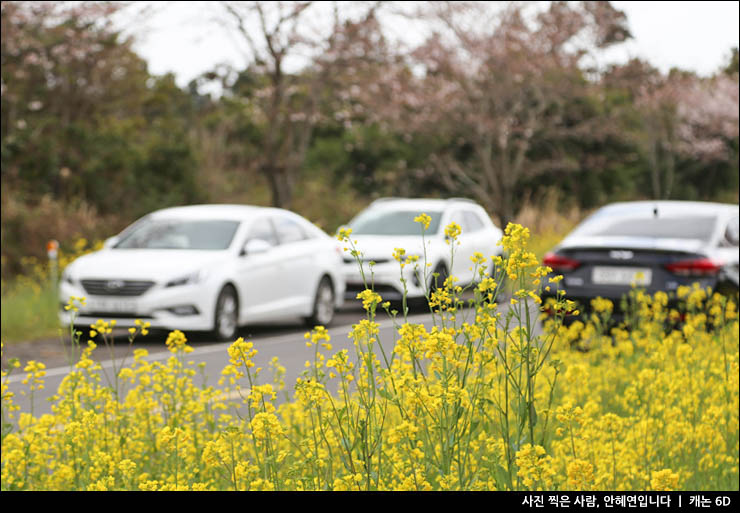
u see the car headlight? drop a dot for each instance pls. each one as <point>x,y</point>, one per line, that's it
<point>189,279</point>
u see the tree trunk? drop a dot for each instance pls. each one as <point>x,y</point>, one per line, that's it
<point>280,185</point>
<point>655,169</point>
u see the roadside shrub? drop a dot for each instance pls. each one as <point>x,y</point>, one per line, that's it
<point>30,300</point>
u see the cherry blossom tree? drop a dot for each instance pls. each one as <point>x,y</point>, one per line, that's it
<point>309,68</point>
<point>682,117</point>
<point>494,77</point>
<point>708,117</point>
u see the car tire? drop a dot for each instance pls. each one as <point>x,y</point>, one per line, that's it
<point>502,282</point>
<point>226,318</point>
<point>439,281</point>
<point>323,305</point>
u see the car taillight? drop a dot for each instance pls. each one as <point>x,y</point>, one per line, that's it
<point>560,263</point>
<point>697,267</point>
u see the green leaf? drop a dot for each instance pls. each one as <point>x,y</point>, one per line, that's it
<point>6,429</point>
<point>385,394</point>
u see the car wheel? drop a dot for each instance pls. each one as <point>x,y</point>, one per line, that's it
<point>323,305</point>
<point>439,281</point>
<point>226,320</point>
<point>501,280</point>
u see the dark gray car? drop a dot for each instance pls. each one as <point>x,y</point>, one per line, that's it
<point>658,245</point>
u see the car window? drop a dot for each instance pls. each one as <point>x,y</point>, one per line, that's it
<point>459,217</point>
<point>180,234</point>
<point>393,222</point>
<point>684,227</point>
<point>288,230</point>
<point>263,229</point>
<point>472,219</point>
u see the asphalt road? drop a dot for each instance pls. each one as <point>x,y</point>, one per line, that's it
<point>286,341</point>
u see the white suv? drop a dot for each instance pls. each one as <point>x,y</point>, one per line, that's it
<point>388,223</point>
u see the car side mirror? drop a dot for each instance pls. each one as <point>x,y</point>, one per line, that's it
<point>255,246</point>
<point>110,242</point>
<point>732,235</point>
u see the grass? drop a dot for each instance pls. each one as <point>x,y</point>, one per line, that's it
<point>30,300</point>
<point>29,312</point>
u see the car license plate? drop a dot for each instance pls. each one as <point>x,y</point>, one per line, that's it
<point>621,276</point>
<point>111,306</point>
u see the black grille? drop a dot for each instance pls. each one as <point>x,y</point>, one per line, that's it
<point>128,288</point>
<point>115,315</point>
<point>353,288</point>
<point>352,260</point>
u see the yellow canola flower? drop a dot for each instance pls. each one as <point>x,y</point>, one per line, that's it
<point>664,480</point>
<point>265,425</point>
<point>452,231</point>
<point>35,373</point>
<point>72,303</point>
<point>370,299</point>
<point>424,219</point>
<point>319,335</point>
<point>535,467</point>
<point>648,404</point>
<point>176,342</point>
<point>580,474</point>
<point>102,327</point>
<point>478,258</point>
<point>344,234</point>
<point>241,353</point>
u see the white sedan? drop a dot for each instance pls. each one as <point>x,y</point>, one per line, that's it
<point>209,268</point>
<point>388,223</point>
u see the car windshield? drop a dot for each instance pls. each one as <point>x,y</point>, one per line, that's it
<point>393,222</point>
<point>684,227</point>
<point>180,234</point>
